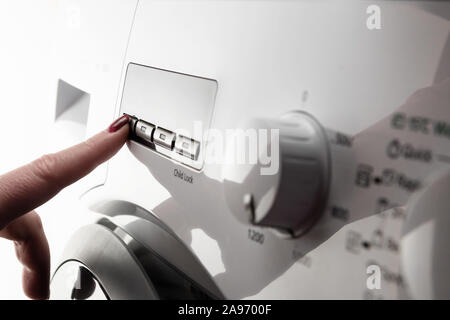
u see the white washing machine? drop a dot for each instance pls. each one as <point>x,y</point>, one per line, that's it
<point>346,196</point>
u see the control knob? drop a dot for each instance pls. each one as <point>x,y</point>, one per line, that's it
<point>290,193</point>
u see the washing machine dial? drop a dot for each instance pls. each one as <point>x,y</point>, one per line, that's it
<point>285,186</point>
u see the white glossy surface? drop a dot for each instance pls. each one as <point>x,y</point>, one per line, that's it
<point>268,57</point>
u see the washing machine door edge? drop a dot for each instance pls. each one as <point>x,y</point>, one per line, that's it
<point>107,257</point>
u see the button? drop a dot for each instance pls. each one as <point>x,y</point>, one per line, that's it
<point>133,121</point>
<point>144,130</point>
<point>164,138</point>
<point>187,147</point>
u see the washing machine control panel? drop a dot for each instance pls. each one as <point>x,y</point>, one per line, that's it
<point>352,138</point>
<point>360,190</point>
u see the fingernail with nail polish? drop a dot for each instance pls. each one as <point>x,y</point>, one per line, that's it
<point>119,123</point>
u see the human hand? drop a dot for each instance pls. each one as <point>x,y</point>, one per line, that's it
<point>29,186</point>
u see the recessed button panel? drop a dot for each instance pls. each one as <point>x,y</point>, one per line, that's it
<point>161,140</point>
<point>175,104</point>
<point>187,147</point>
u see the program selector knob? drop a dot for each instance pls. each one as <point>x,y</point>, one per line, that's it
<point>290,193</point>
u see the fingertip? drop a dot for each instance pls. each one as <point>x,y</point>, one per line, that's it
<point>119,123</point>
<point>115,139</point>
<point>123,131</point>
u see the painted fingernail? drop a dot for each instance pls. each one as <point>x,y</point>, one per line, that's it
<point>119,123</point>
